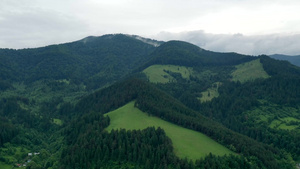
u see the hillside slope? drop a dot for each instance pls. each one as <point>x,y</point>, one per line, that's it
<point>187,143</point>
<point>53,101</point>
<point>155,102</point>
<point>96,61</point>
<point>186,54</point>
<point>243,97</point>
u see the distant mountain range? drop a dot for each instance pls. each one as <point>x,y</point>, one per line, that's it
<point>292,59</point>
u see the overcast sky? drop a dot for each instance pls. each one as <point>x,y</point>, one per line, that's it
<point>244,26</point>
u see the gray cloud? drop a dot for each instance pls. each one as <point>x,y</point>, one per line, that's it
<point>253,45</point>
<point>34,23</point>
<point>35,27</point>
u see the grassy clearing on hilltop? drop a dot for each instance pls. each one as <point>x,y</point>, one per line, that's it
<point>161,73</point>
<point>210,93</point>
<point>249,71</point>
<point>186,142</point>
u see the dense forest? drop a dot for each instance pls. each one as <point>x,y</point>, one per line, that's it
<point>186,54</point>
<point>237,98</point>
<point>148,148</point>
<point>53,102</point>
<point>158,103</point>
<point>104,59</point>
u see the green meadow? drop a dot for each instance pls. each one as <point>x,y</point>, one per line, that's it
<point>159,73</point>
<point>284,123</point>
<point>210,93</point>
<point>249,71</point>
<point>5,166</point>
<point>276,116</point>
<point>58,122</point>
<point>186,142</point>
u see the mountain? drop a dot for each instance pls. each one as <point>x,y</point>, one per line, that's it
<point>292,59</point>
<point>238,96</point>
<point>186,54</point>
<point>99,60</point>
<point>147,40</point>
<point>158,103</point>
<point>54,101</point>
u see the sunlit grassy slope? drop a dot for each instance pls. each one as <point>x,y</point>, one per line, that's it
<point>158,73</point>
<point>249,71</point>
<point>186,142</point>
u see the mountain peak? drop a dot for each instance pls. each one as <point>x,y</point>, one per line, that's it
<point>93,38</point>
<point>152,42</point>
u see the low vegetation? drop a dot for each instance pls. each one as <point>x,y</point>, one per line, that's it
<point>58,122</point>
<point>276,116</point>
<point>6,166</point>
<point>210,93</point>
<point>249,71</point>
<point>166,73</point>
<point>186,142</point>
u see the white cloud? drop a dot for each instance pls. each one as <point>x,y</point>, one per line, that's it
<point>253,45</point>
<point>34,27</point>
<point>32,23</point>
<point>248,17</point>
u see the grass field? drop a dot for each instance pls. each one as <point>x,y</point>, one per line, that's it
<point>275,124</point>
<point>210,93</point>
<point>282,123</point>
<point>158,74</point>
<point>276,116</point>
<point>249,71</point>
<point>58,122</point>
<point>5,166</point>
<point>287,127</point>
<point>186,142</point>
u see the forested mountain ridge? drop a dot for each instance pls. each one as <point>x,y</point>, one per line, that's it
<point>293,59</point>
<point>53,100</point>
<point>96,61</point>
<point>38,86</point>
<point>242,106</point>
<point>186,54</point>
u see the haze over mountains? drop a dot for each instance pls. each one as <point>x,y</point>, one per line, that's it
<point>238,42</point>
<point>292,59</point>
<point>58,101</point>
